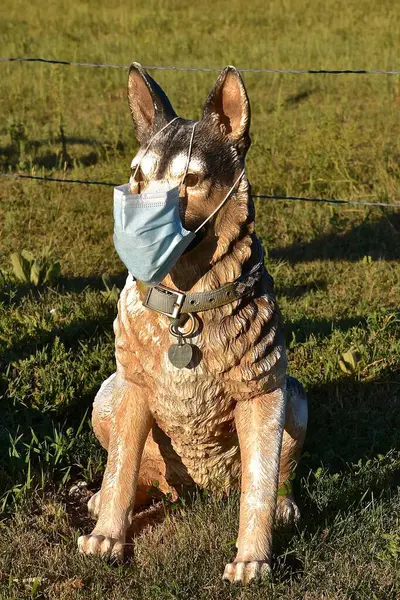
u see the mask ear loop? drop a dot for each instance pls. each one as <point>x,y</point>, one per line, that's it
<point>150,143</point>
<point>182,185</point>
<point>221,204</point>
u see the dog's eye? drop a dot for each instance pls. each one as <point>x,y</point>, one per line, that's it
<point>191,179</point>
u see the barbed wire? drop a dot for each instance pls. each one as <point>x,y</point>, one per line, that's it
<point>204,69</point>
<point>329,200</point>
<point>59,179</point>
<point>393,205</point>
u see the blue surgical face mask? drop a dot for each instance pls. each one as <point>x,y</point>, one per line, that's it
<point>148,232</point>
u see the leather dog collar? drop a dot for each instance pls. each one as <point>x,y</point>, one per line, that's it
<point>175,303</point>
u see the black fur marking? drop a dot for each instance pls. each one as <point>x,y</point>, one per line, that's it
<point>216,153</point>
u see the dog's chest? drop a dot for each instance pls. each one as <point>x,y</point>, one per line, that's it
<point>193,406</point>
<point>198,419</point>
<point>200,408</point>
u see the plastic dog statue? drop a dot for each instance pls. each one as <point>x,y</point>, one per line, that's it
<point>200,395</point>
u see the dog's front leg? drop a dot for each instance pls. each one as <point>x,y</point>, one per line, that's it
<point>259,423</point>
<point>130,424</point>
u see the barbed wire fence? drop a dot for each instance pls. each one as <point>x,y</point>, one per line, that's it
<point>19,59</point>
<point>204,69</point>
<point>260,196</point>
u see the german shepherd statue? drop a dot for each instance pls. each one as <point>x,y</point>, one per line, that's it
<point>220,413</point>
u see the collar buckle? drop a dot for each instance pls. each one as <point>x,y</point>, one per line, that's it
<point>164,301</point>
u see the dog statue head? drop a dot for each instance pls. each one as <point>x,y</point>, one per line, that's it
<point>220,143</point>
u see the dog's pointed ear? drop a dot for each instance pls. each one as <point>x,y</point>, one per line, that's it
<point>228,108</point>
<point>150,107</point>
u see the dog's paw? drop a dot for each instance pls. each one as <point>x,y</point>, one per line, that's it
<point>246,572</point>
<point>287,511</point>
<point>94,505</point>
<point>101,545</point>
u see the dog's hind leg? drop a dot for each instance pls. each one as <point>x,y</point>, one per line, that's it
<point>292,443</point>
<point>102,407</point>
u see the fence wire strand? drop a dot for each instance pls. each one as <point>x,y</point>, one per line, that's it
<point>204,69</point>
<point>260,196</point>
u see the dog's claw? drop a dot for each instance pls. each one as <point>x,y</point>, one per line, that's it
<point>101,545</point>
<point>246,572</point>
<point>287,511</point>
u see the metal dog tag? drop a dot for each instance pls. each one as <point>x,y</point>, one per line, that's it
<point>180,354</point>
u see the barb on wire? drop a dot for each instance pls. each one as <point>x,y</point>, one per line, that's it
<point>205,69</point>
<point>261,196</point>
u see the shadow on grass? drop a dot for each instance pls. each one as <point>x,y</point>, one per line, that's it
<point>298,291</point>
<point>349,459</point>
<point>379,239</point>
<point>16,292</point>
<point>301,330</point>
<point>71,335</point>
<point>352,420</point>
<point>23,153</point>
<point>78,284</point>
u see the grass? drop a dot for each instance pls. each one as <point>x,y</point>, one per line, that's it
<point>336,272</point>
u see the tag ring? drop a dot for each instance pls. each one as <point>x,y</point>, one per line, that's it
<point>174,330</point>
